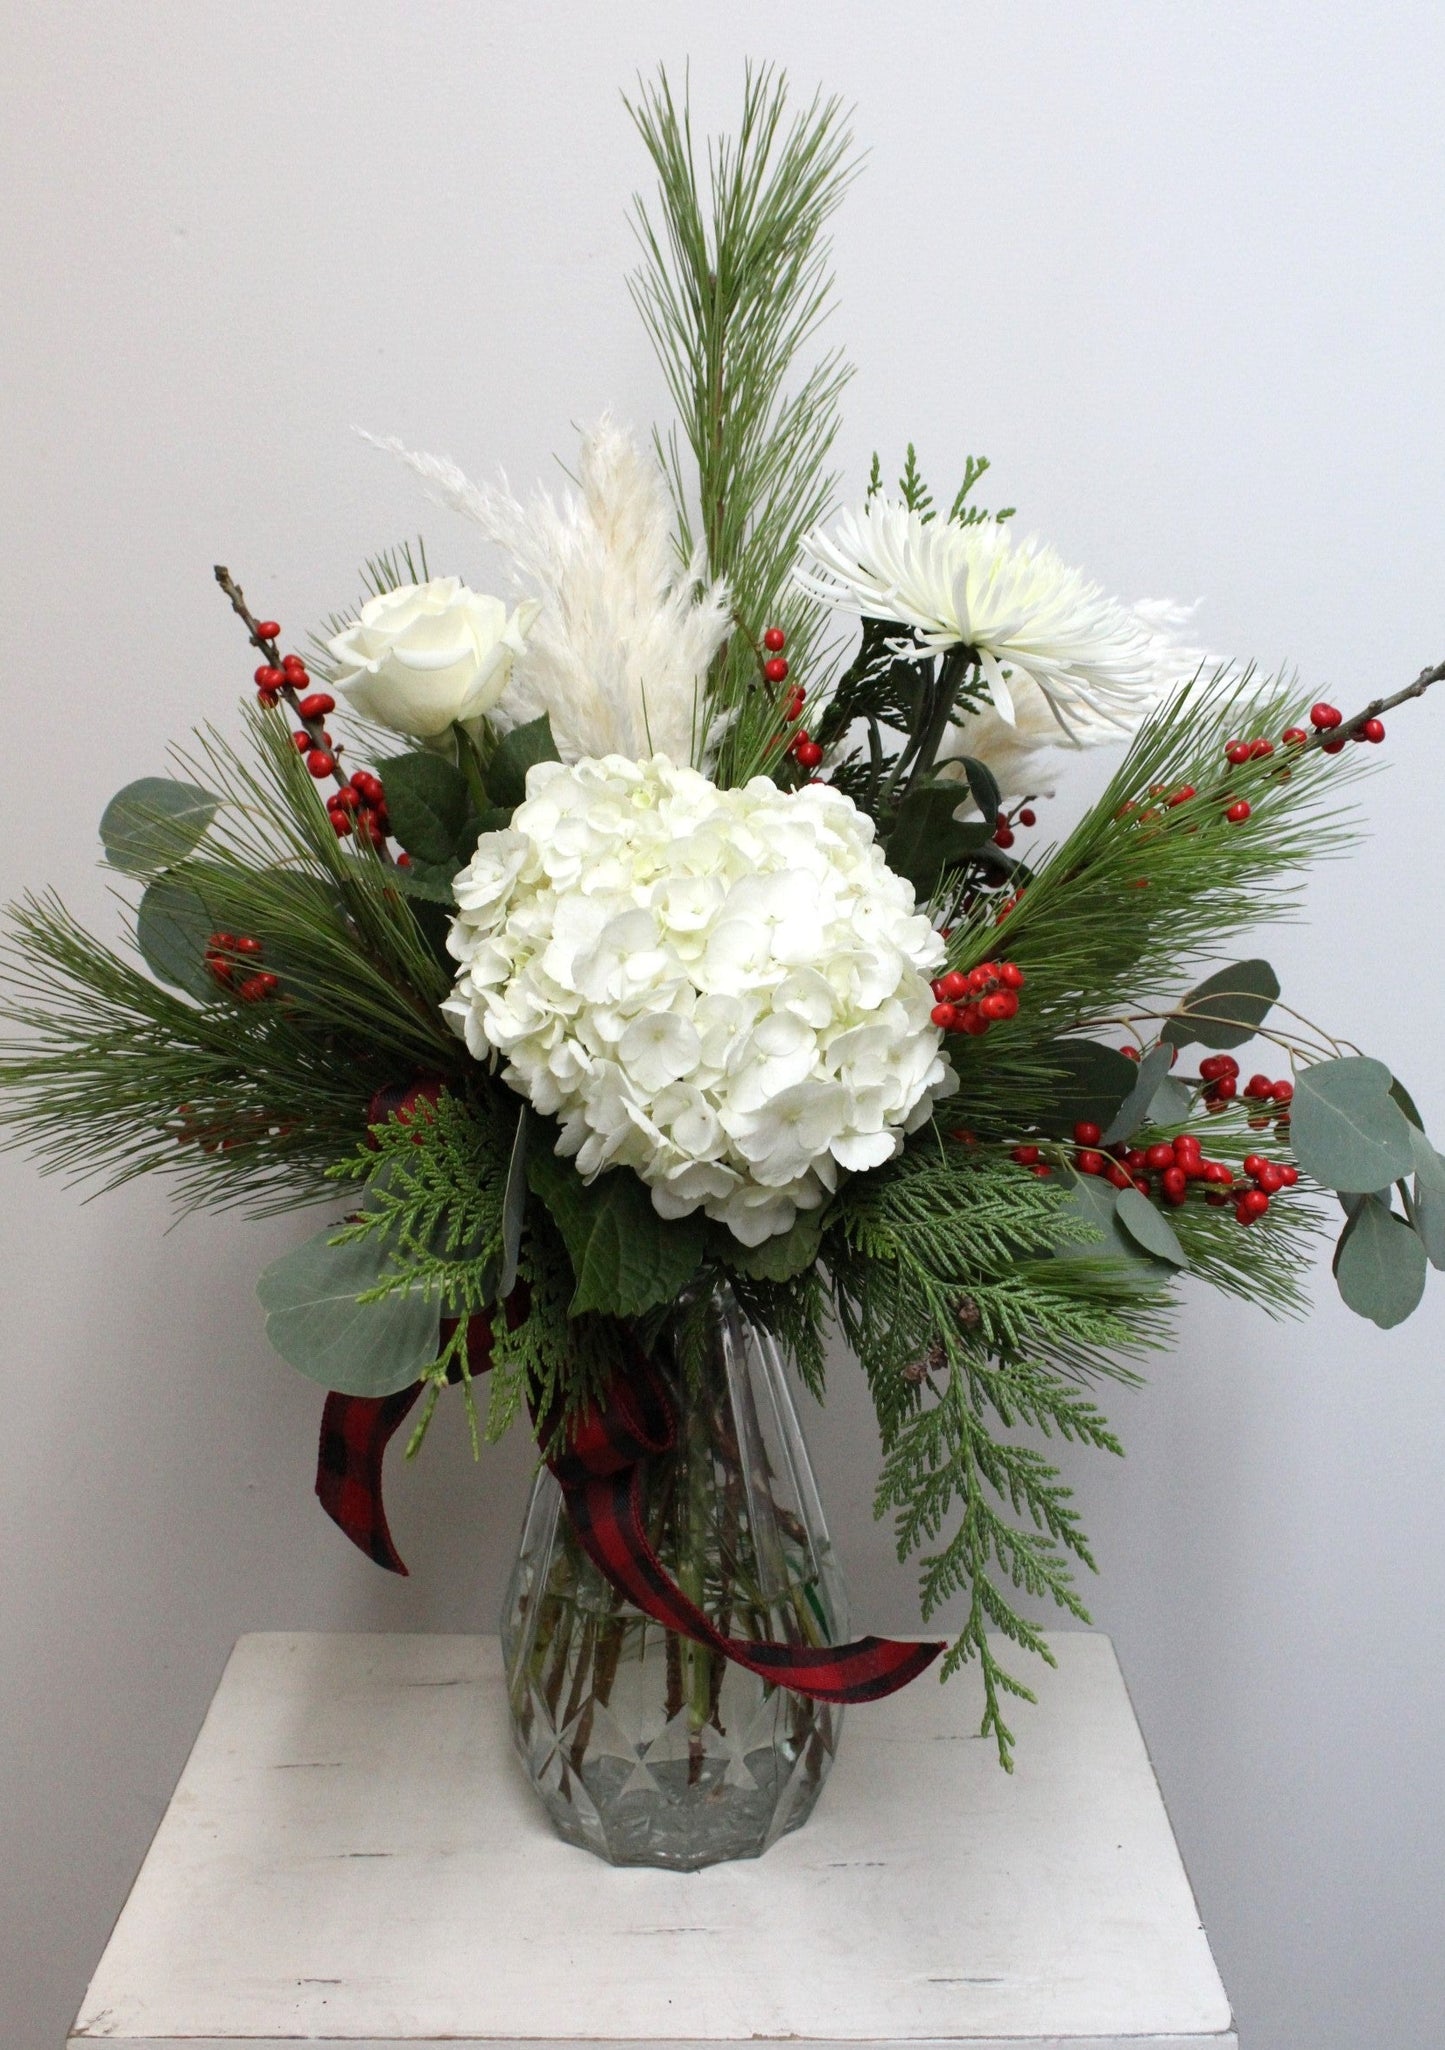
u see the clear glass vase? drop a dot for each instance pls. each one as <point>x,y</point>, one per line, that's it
<point>644,1747</point>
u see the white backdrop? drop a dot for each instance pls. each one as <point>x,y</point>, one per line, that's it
<point>1177,270</point>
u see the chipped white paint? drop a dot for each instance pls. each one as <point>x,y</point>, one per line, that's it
<point>353,1858</point>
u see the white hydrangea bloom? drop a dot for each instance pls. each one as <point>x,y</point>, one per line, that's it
<point>726,991</point>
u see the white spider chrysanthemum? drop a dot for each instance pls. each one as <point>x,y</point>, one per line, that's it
<point>1097,665</point>
<point>619,651</point>
<point>725,991</point>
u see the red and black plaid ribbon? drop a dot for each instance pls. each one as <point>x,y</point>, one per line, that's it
<point>600,1469</point>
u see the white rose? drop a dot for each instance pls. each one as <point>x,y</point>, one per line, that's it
<point>425,655</point>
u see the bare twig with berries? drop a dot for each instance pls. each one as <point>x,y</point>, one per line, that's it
<point>1332,729</point>
<point>358,804</point>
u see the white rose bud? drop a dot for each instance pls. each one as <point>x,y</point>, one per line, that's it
<point>425,655</point>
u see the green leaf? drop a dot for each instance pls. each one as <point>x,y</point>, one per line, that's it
<point>1092,1198</point>
<point>926,838</point>
<point>1132,1112</point>
<point>518,751</point>
<point>314,1320</point>
<point>1225,1009</point>
<point>429,803</point>
<point>626,1258</point>
<point>514,1205</point>
<point>780,1258</point>
<point>432,883</point>
<point>1380,1265</point>
<point>154,823</point>
<point>1406,1102</point>
<point>1093,1081</point>
<point>1429,1197</point>
<point>172,928</point>
<point>1172,1103</point>
<point>983,785</point>
<point>1150,1227</point>
<point>1345,1128</point>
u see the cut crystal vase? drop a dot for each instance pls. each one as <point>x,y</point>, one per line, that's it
<point>643,1746</point>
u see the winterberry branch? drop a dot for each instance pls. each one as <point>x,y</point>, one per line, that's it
<point>1347,729</point>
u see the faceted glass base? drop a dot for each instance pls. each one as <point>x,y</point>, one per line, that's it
<point>644,1747</point>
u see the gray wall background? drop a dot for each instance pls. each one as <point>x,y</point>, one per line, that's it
<point>1178,270</point>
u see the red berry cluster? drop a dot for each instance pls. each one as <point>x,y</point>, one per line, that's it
<point>1003,832</point>
<point>359,807</point>
<point>1220,1075</point>
<point>233,960</point>
<point>804,750</point>
<point>1168,1169</point>
<point>1325,718</point>
<point>970,1002</point>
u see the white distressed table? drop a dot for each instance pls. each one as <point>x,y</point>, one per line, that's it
<point>353,1857</point>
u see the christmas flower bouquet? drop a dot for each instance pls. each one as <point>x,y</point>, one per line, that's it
<point>669,962</point>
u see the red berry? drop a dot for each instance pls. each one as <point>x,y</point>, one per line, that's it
<point>256,988</point>
<point>1253,1202</point>
<point>1130,1053</point>
<point>1332,747</point>
<point>1183,794</point>
<point>808,754</point>
<point>1133,1159</point>
<point>953,986</point>
<point>1238,812</point>
<point>972,1021</point>
<point>795,705</point>
<point>303,740</point>
<point>1225,1089</point>
<point>1028,817</point>
<point>220,969</point>
<point>776,669</point>
<point>1253,1162</point>
<point>964,1136</point>
<point>1237,752</point>
<point>346,798</point>
<point>943,1016</point>
<point>1258,1087</point>
<point>267,629</point>
<point>269,677</point>
<point>1087,1161</point>
<point>1270,1178</point>
<point>1289,1175</point>
<point>1293,736</point>
<point>1323,717</point>
<point>1282,1092</point>
<point>367,786</point>
<point>317,706</point>
<point>1186,1147</point>
<point>1373,729</point>
<point>1118,1177</point>
<point>403,861</point>
<point>1087,1133</point>
<point>1175,1184</point>
<point>320,763</point>
<point>1159,1155</point>
<point>1011,975</point>
<point>1043,1170</point>
<point>340,821</point>
<point>1001,1004</point>
<point>268,698</point>
<point>1025,1155</point>
<point>775,640</point>
<point>247,945</point>
<point>1003,835</point>
<point>1216,1171</point>
<point>1258,749</point>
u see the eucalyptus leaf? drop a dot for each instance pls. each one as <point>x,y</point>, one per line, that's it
<point>1149,1227</point>
<point>172,928</point>
<point>1092,1081</point>
<point>1226,1008</point>
<point>1091,1198</point>
<point>1346,1129</point>
<point>518,751</point>
<point>429,804</point>
<point>1429,1197</point>
<point>1132,1112</point>
<point>154,823</point>
<point>315,1320</point>
<point>1406,1102</point>
<point>625,1257</point>
<point>1172,1103</point>
<point>1380,1265</point>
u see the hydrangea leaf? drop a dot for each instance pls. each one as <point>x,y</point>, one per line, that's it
<point>430,805</point>
<point>432,882</point>
<point>316,1321</point>
<point>625,1257</point>
<point>517,752</point>
<point>154,823</point>
<point>1346,1129</point>
<point>778,1258</point>
<point>926,838</point>
<point>1226,1008</point>
<point>1150,1227</point>
<point>1380,1264</point>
